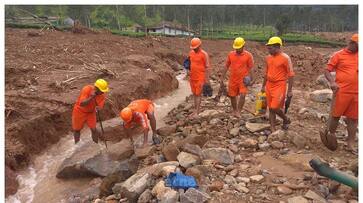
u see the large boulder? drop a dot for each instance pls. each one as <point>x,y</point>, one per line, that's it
<point>170,152</point>
<point>222,155</point>
<point>121,150</point>
<point>87,162</point>
<point>167,130</point>
<point>133,187</point>
<point>193,139</point>
<point>193,149</point>
<point>187,160</point>
<point>322,96</point>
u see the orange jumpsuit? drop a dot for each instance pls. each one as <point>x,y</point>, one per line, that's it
<point>239,66</point>
<point>278,70</point>
<point>139,110</point>
<point>345,64</point>
<point>199,63</point>
<point>86,114</point>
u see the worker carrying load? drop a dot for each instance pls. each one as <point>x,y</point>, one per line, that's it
<point>90,100</point>
<point>138,112</point>
<point>199,73</point>
<point>278,71</point>
<point>345,94</point>
<point>239,62</point>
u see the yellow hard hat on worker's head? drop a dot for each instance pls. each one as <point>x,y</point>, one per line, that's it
<point>102,85</point>
<point>238,43</point>
<point>274,40</point>
<point>126,114</point>
<point>354,38</point>
<point>195,43</point>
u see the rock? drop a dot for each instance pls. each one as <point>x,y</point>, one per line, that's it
<point>284,190</point>
<point>187,160</point>
<point>352,201</point>
<point>299,141</point>
<point>171,196</point>
<point>262,139</point>
<point>336,201</point>
<point>297,199</point>
<point>321,96</point>
<point>230,180</point>
<point>167,130</point>
<point>170,152</point>
<point>216,185</point>
<point>209,113</point>
<point>166,170</point>
<point>111,197</point>
<point>300,161</point>
<point>234,131</point>
<point>234,172</point>
<point>194,196</point>
<point>133,187</point>
<point>144,152</point>
<point>277,145</point>
<point>313,196</point>
<point>156,169</point>
<point>243,167</point>
<point>256,178</point>
<point>160,190</point>
<point>196,173</point>
<point>221,155</point>
<point>241,188</point>
<point>215,121</point>
<point>258,154</point>
<point>11,183</point>
<point>98,201</point>
<point>264,146</point>
<point>321,80</point>
<point>278,135</point>
<point>121,150</point>
<point>199,140</point>
<point>249,143</point>
<point>233,148</point>
<point>243,179</point>
<point>257,127</point>
<point>238,158</point>
<point>193,149</point>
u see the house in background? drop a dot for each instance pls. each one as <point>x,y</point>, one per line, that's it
<point>169,28</point>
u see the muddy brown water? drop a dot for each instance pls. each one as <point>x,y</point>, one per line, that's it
<point>38,182</point>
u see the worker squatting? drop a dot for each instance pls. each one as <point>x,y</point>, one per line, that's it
<point>277,84</point>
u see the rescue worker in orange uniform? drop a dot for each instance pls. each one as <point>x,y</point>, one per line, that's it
<point>139,112</point>
<point>239,62</point>
<point>199,72</point>
<point>278,71</point>
<point>345,94</point>
<point>90,100</point>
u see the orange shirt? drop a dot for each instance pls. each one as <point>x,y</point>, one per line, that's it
<point>140,105</point>
<point>139,109</point>
<point>86,93</point>
<point>345,64</point>
<point>278,67</point>
<point>239,65</point>
<point>199,61</point>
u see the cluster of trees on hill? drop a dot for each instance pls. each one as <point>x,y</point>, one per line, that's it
<point>311,18</point>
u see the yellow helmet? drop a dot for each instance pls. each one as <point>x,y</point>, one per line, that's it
<point>102,85</point>
<point>238,43</point>
<point>274,40</point>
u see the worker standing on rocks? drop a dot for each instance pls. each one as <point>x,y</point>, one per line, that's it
<point>239,62</point>
<point>345,94</point>
<point>90,100</point>
<point>138,112</point>
<point>199,72</point>
<point>278,71</point>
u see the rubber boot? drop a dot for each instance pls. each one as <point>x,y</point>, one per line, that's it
<point>77,137</point>
<point>94,135</point>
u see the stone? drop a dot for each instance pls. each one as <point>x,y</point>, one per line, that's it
<point>234,131</point>
<point>297,199</point>
<point>216,185</point>
<point>171,196</point>
<point>166,170</point>
<point>133,187</point>
<point>321,96</point>
<point>238,158</point>
<point>111,201</point>
<point>111,197</point>
<point>242,188</point>
<point>337,201</point>
<point>258,154</point>
<point>166,130</point>
<point>144,152</point>
<point>196,139</point>
<point>215,121</point>
<point>121,150</point>
<point>193,149</point>
<point>234,172</point>
<point>313,196</point>
<point>264,146</point>
<point>243,179</point>
<point>256,127</point>
<point>299,141</point>
<point>194,196</point>
<point>156,169</point>
<point>352,201</point>
<point>233,148</point>
<point>284,190</point>
<point>196,173</point>
<point>262,139</point>
<point>249,143</point>
<point>221,155</point>
<point>11,183</point>
<point>243,167</point>
<point>208,113</point>
<point>299,161</point>
<point>98,201</point>
<point>321,80</point>
<point>145,197</point>
<point>277,145</point>
<point>278,135</point>
<point>230,180</point>
<point>170,152</point>
<point>256,178</point>
<point>187,160</point>
<point>160,190</point>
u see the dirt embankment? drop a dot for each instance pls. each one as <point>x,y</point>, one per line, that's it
<point>44,74</point>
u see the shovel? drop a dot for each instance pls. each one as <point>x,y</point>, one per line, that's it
<point>99,120</point>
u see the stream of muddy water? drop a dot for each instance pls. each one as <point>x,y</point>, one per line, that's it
<point>38,182</point>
